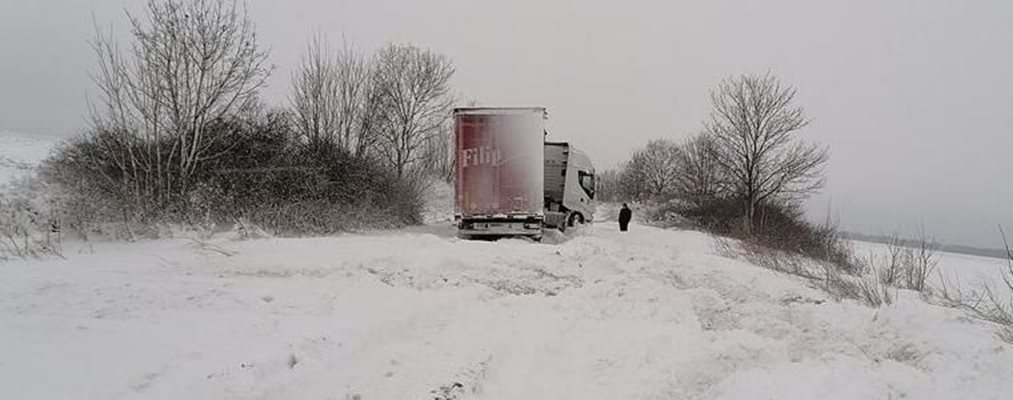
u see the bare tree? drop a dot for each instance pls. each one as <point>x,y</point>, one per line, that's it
<point>315,94</point>
<point>630,182</point>
<point>191,62</point>
<point>608,182</point>
<point>412,102</point>
<point>698,177</point>
<point>652,172</point>
<point>754,125</point>
<point>438,157</point>
<point>330,97</point>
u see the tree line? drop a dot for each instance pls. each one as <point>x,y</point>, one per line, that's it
<point>744,174</point>
<point>178,131</point>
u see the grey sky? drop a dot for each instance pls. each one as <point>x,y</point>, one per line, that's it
<point>914,98</point>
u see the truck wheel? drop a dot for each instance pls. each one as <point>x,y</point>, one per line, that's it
<point>575,219</point>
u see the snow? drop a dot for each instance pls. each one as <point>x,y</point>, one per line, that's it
<point>419,314</point>
<point>20,154</point>
<point>969,271</point>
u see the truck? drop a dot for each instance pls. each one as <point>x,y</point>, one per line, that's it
<point>510,181</point>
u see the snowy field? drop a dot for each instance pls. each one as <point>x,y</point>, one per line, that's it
<point>20,154</point>
<point>652,314</point>
<point>967,271</point>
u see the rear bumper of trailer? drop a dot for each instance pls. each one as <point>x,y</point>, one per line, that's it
<point>500,226</point>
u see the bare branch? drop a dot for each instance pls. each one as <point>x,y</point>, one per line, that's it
<point>191,62</point>
<point>411,103</point>
<point>753,129</point>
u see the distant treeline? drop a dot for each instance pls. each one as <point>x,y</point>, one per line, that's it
<point>948,248</point>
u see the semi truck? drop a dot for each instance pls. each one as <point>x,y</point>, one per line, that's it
<point>510,181</point>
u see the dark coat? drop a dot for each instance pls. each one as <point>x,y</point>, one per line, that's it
<point>625,215</point>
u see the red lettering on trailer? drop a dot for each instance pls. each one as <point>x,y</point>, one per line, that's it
<point>484,155</point>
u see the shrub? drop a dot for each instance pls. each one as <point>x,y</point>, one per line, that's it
<point>261,173</point>
<point>908,263</point>
<point>781,227</point>
<point>666,215</point>
<point>841,283</point>
<point>990,302</point>
<point>29,225</point>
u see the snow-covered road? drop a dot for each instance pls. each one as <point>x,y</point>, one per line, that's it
<point>652,314</point>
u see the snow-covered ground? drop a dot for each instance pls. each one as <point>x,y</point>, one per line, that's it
<point>968,271</point>
<point>651,314</point>
<point>20,154</point>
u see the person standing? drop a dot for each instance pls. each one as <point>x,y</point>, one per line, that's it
<point>625,215</point>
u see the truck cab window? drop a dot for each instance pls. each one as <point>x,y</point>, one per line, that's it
<point>587,183</point>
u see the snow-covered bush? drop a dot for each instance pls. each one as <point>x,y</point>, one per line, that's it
<point>992,302</point>
<point>669,215</point>
<point>853,279</point>
<point>908,264</point>
<point>29,223</point>
<point>783,228</point>
<point>875,292</point>
<point>262,174</point>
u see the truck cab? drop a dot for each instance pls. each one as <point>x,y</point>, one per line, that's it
<point>569,186</point>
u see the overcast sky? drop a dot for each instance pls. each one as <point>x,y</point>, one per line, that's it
<point>914,98</point>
